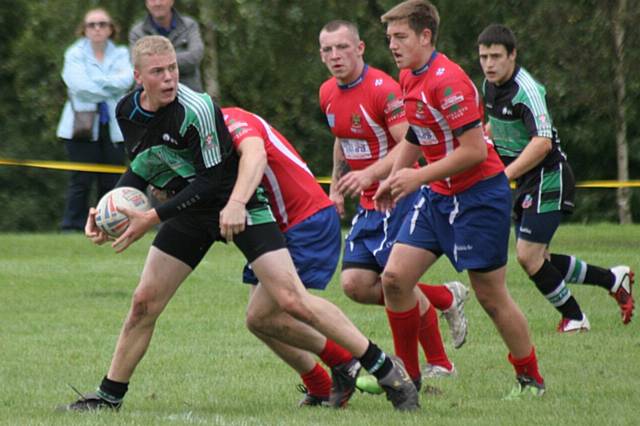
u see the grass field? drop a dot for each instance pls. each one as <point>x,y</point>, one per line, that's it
<point>62,302</point>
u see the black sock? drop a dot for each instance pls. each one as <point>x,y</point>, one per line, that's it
<point>550,283</point>
<point>577,271</point>
<point>112,391</point>
<point>375,361</point>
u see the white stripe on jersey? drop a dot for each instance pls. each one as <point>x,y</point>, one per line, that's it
<point>206,123</point>
<point>531,88</point>
<point>444,126</point>
<point>283,148</point>
<point>383,142</point>
<point>277,195</point>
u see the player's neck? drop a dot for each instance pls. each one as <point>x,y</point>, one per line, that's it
<point>147,103</point>
<point>354,76</point>
<point>422,64</point>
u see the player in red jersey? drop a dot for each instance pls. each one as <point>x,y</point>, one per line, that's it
<point>311,226</point>
<point>465,212</point>
<point>365,112</point>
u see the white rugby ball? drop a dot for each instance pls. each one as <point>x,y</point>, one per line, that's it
<point>109,219</point>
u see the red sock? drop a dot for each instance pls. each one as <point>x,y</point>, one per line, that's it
<point>333,354</point>
<point>317,381</point>
<point>404,327</point>
<point>431,341</point>
<point>527,366</point>
<point>438,295</point>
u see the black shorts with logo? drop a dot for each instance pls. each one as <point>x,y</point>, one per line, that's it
<point>545,190</point>
<point>188,237</point>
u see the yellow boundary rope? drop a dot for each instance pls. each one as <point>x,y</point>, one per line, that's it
<point>106,168</point>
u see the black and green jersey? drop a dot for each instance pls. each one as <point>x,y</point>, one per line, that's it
<point>517,112</point>
<point>184,148</point>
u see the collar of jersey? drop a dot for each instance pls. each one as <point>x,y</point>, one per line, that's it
<point>138,112</point>
<point>355,82</point>
<point>423,69</point>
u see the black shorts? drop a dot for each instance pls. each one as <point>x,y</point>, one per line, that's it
<point>188,237</point>
<point>549,189</point>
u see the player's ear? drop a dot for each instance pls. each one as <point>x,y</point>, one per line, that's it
<point>136,76</point>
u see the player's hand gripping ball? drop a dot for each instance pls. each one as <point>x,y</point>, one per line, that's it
<point>109,219</point>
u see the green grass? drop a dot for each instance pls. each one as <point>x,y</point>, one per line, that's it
<point>62,302</point>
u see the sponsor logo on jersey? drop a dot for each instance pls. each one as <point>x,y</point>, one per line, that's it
<point>378,82</point>
<point>451,99</point>
<point>166,137</point>
<point>507,111</point>
<point>236,128</point>
<point>456,113</point>
<point>527,202</point>
<point>425,135</point>
<point>331,119</point>
<point>394,106</point>
<point>440,71</point>
<point>355,149</point>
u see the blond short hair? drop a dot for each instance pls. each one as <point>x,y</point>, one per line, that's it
<point>419,14</point>
<point>150,45</point>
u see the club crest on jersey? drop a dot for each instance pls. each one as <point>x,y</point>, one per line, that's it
<point>527,202</point>
<point>356,123</point>
<point>331,119</point>
<point>420,109</point>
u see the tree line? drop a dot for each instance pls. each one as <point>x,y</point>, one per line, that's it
<point>263,56</point>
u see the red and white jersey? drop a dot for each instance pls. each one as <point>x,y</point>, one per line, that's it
<point>294,193</point>
<point>359,115</point>
<point>440,99</point>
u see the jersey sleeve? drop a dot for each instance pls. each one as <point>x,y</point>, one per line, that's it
<point>240,130</point>
<point>533,111</point>
<point>211,180</point>
<point>458,100</point>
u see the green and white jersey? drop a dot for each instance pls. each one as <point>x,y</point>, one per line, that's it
<point>517,112</point>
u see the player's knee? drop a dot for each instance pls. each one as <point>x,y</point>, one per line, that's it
<point>352,290</point>
<point>255,322</point>
<point>296,307</point>
<point>391,282</point>
<point>144,306</point>
<point>528,262</point>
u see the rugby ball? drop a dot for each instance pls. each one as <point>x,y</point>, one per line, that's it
<point>109,219</point>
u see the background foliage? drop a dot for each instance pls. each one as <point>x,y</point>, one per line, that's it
<point>268,62</point>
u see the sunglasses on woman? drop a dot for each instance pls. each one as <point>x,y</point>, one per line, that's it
<point>99,24</point>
